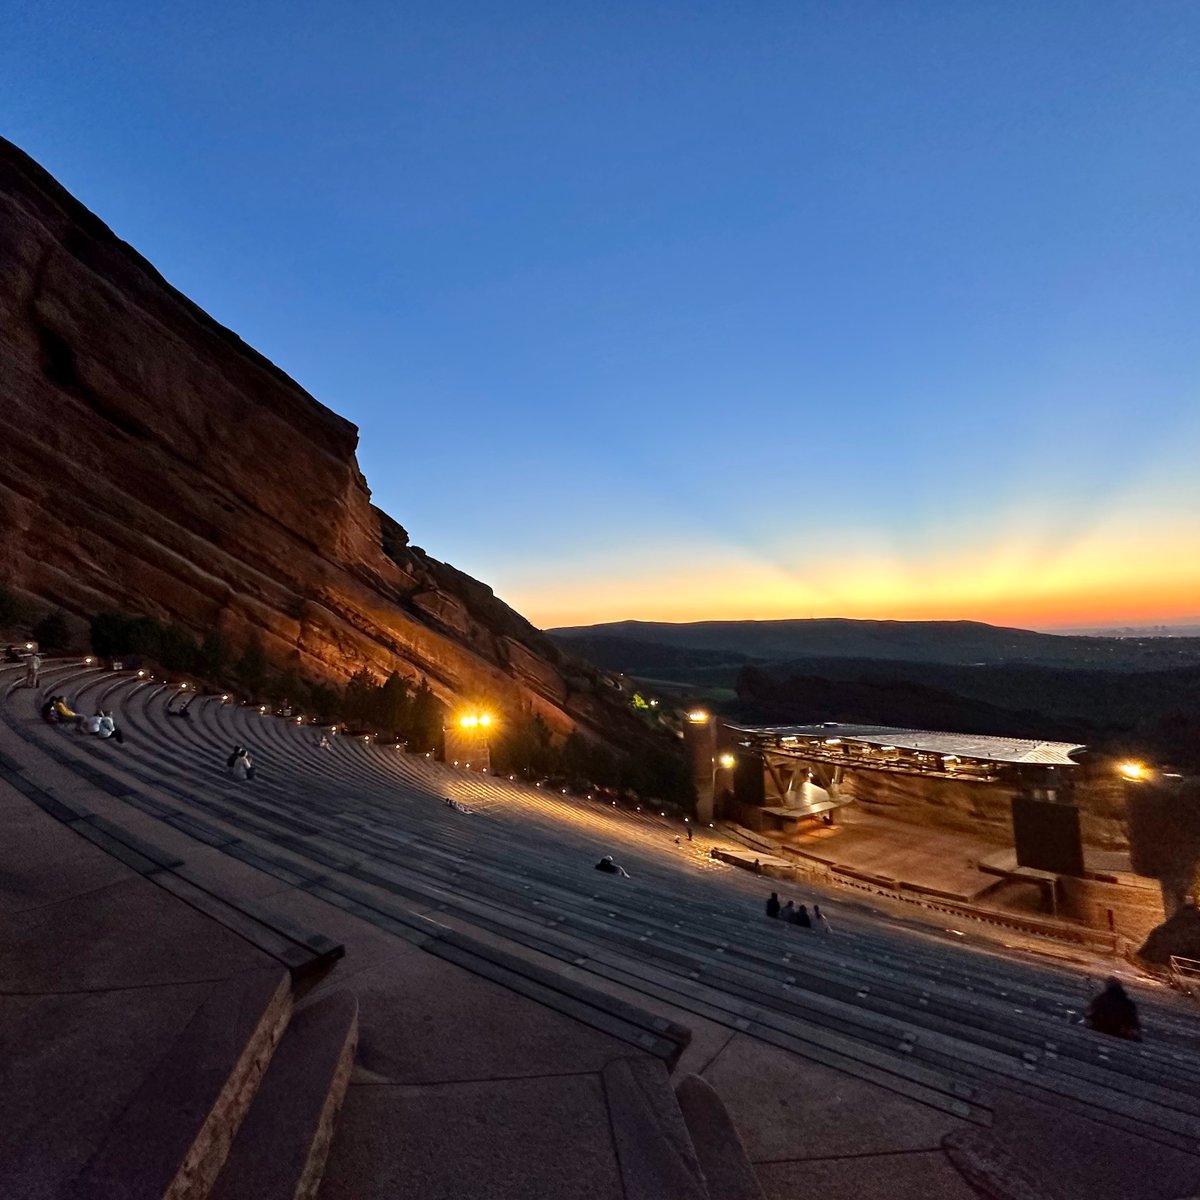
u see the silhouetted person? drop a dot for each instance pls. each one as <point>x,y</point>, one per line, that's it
<point>757,867</point>
<point>788,912</point>
<point>609,867</point>
<point>10,654</point>
<point>689,833</point>
<point>50,711</point>
<point>1114,1013</point>
<point>773,908</point>
<point>33,670</point>
<point>820,920</point>
<point>802,917</point>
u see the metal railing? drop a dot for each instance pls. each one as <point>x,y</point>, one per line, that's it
<point>1185,975</point>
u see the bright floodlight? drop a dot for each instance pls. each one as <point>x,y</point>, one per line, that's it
<point>726,760</point>
<point>1133,770</point>
<point>697,716</point>
<point>485,719</point>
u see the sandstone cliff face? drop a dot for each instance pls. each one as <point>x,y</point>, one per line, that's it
<point>154,463</point>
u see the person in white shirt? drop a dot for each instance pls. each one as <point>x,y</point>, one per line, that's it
<point>240,764</point>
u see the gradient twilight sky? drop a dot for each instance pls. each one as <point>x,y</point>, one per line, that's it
<point>692,310</point>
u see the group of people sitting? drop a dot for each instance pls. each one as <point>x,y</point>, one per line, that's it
<point>56,711</point>
<point>798,915</point>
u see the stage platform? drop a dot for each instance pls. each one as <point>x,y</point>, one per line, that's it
<point>938,860</point>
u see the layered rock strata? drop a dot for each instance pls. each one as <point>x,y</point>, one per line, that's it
<point>154,463</point>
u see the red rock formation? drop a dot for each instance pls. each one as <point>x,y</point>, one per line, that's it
<point>154,463</point>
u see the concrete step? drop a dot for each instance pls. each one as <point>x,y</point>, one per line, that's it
<point>656,1155</point>
<point>722,1156</point>
<point>172,1140</point>
<point>280,1150</point>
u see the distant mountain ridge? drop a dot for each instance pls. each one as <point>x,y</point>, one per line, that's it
<point>633,645</point>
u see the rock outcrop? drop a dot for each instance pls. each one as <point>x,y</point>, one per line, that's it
<point>154,463</point>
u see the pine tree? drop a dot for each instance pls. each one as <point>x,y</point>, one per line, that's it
<point>251,668</point>
<point>393,705</point>
<point>214,657</point>
<point>426,719</point>
<point>359,705</point>
<point>52,632</point>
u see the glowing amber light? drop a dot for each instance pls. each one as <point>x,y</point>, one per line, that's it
<point>726,760</point>
<point>475,720</point>
<point>1133,770</point>
<point>697,716</point>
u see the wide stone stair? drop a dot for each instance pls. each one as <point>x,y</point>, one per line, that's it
<point>507,893</point>
<point>243,1103</point>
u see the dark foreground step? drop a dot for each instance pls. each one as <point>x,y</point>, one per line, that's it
<point>655,1154</point>
<point>281,1148</point>
<point>173,1137</point>
<point>723,1158</point>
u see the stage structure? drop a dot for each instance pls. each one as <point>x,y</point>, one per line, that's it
<point>782,777</point>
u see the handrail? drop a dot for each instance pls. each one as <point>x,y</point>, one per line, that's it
<point>1185,974</point>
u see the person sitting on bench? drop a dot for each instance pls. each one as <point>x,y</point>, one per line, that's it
<point>609,867</point>
<point>1114,1013</point>
<point>240,764</point>
<point>108,727</point>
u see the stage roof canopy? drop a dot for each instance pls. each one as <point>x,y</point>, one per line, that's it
<point>981,747</point>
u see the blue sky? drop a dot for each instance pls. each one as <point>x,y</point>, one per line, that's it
<point>689,310</point>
